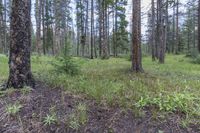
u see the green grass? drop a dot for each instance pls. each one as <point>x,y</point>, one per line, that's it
<point>171,87</point>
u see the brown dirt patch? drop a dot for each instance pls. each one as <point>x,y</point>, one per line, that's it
<point>101,119</point>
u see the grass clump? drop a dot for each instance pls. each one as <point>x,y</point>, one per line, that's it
<point>50,119</point>
<point>79,117</point>
<point>13,109</point>
<point>196,60</point>
<point>171,87</point>
<point>171,103</point>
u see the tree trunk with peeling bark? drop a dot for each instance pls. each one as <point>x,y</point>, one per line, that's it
<point>20,45</point>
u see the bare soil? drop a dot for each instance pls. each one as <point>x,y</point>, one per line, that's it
<point>101,118</point>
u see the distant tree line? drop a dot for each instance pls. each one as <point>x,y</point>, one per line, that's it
<point>173,30</point>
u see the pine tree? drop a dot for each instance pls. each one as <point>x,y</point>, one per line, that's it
<point>20,45</point>
<point>136,37</point>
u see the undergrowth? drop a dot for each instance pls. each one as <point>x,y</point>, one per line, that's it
<point>172,87</point>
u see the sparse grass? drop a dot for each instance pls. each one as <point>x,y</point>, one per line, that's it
<point>12,110</point>
<point>3,68</point>
<point>78,117</point>
<point>171,87</point>
<point>51,118</point>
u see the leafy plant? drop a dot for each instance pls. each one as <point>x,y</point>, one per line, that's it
<point>26,90</point>
<point>79,117</point>
<point>66,65</point>
<point>194,53</point>
<point>74,122</point>
<point>50,119</point>
<point>196,60</point>
<point>82,113</point>
<point>13,109</point>
<point>173,102</point>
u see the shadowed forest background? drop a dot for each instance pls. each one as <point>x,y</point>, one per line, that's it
<point>96,66</point>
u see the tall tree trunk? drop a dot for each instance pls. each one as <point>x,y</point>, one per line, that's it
<point>115,30</point>
<point>1,29</point>
<point>108,32</point>
<point>136,37</point>
<point>86,28</point>
<point>20,45</point>
<point>100,27</point>
<point>82,30</point>
<point>153,31</point>
<point>161,30</point>
<point>43,27</point>
<point>199,26</point>
<point>38,25</point>
<point>177,27</point>
<point>173,30</point>
<point>167,27</point>
<point>5,28</point>
<point>92,29</point>
<point>104,31</point>
<point>194,29</point>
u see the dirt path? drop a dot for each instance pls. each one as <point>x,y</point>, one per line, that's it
<point>37,103</point>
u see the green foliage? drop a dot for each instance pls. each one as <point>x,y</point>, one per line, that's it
<point>82,113</point>
<point>65,65</point>
<point>196,60</point>
<point>3,68</point>
<point>50,119</point>
<point>26,90</point>
<point>173,86</point>
<point>194,53</point>
<point>13,109</point>
<point>79,117</point>
<point>170,103</point>
<point>74,123</point>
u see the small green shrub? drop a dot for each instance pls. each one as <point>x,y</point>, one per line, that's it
<point>194,53</point>
<point>74,122</point>
<point>82,113</point>
<point>26,90</point>
<point>50,119</point>
<point>13,109</point>
<point>66,65</point>
<point>79,117</point>
<point>197,60</point>
<point>170,103</point>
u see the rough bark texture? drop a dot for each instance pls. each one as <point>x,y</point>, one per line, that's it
<point>161,30</point>
<point>92,29</point>
<point>136,41</point>
<point>177,27</point>
<point>20,45</point>
<point>153,31</point>
<point>1,28</point>
<point>105,41</point>
<point>199,26</point>
<point>38,25</point>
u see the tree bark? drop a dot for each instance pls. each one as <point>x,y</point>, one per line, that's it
<point>136,37</point>
<point>1,29</point>
<point>153,31</point>
<point>20,45</point>
<point>177,27</point>
<point>199,26</point>
<point>161,30</point>
<point>92,29</point>
<point>38,25</point>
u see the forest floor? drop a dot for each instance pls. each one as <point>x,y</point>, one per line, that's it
<point>105,97</point>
